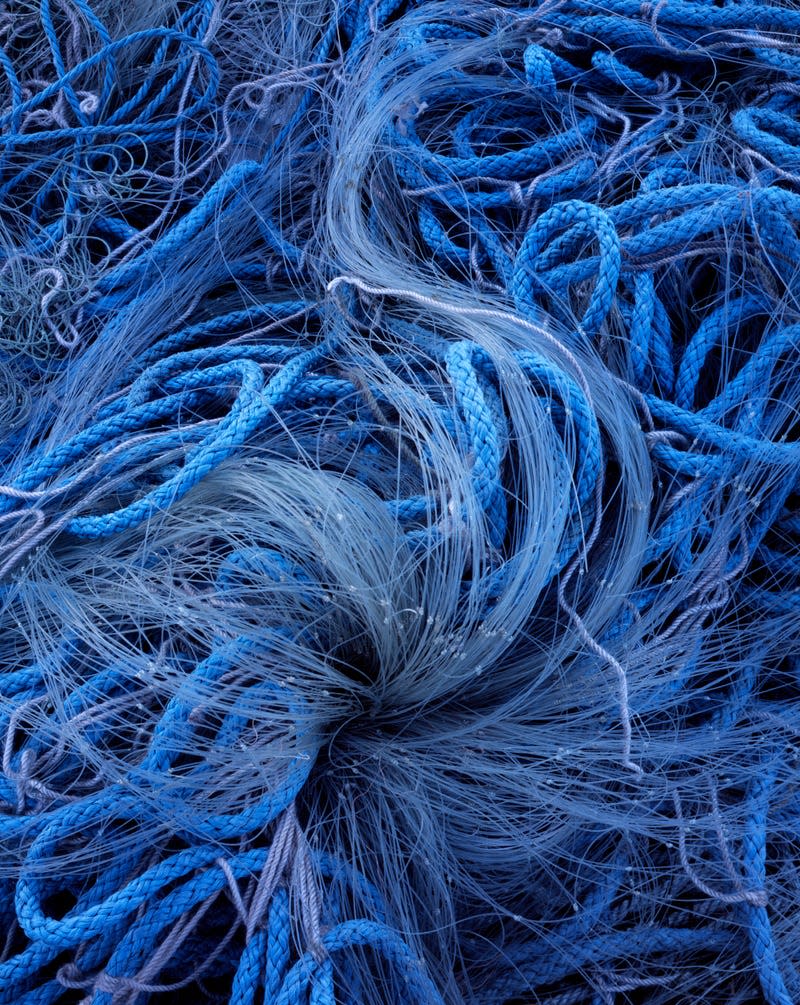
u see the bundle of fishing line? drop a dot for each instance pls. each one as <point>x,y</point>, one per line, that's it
<point>399,479</point>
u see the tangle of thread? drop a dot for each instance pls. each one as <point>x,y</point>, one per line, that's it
<point>399,482</point>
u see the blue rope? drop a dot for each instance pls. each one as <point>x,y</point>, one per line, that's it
<point>399,547</point>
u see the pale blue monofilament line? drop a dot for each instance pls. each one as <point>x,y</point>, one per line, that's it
<point>399,481</point>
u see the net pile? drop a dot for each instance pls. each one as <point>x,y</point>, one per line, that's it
<point>399,526</point>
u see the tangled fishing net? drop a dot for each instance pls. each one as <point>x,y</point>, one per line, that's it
<point>399,482</point>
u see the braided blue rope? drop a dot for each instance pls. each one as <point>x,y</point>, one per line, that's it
<point>399,577</point>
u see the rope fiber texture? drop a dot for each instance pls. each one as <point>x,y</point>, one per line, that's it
<point>399,502</point>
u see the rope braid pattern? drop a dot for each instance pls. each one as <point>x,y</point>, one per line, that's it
<point>399,478</point>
